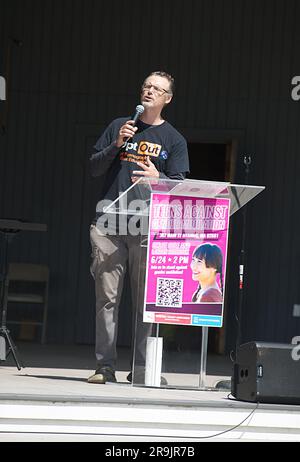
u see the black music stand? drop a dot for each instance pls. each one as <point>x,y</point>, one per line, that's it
<point>9,228</point>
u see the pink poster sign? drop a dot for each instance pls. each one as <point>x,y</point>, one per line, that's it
<point>186,260</point>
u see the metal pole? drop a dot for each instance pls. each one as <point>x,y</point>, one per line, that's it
<point>203,361</point>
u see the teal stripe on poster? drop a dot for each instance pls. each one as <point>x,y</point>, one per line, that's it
<point>207,321</point>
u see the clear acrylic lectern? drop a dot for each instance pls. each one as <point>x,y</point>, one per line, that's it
<point>171,354</point>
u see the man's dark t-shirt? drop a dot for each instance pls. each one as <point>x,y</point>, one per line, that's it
<point>163,144</point>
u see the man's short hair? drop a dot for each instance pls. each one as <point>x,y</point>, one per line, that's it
<point>168,77</point>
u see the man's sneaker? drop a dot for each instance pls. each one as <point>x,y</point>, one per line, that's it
<point>139,378</point>
<point>103,375</point>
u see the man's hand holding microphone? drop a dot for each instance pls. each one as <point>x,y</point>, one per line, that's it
<point>126,132</point>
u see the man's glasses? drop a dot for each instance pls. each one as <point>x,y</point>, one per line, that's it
<point>156,90</point>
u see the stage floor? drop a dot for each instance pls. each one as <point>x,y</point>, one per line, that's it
<point>50,400</point>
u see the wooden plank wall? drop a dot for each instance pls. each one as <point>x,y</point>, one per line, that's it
<point>81,64</point>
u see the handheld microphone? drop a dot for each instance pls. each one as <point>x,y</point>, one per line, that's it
<point>138,111</point>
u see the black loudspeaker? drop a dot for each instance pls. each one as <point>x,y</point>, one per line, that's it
<point>266,373</point>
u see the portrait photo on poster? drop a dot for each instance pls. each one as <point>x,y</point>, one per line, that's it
<point>206,266</point>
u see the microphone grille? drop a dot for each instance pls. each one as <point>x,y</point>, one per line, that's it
<point>140,109</point>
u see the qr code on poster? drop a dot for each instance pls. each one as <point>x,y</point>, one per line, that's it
<point>169,292</point>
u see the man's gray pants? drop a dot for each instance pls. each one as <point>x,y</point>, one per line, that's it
<point>111,256</point>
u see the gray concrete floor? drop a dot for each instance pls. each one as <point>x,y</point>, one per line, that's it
<point>62,370</point>
<point>83,357</point>
<point>55,380</point>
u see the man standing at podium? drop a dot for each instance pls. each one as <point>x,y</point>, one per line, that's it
<point>149,147</point>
